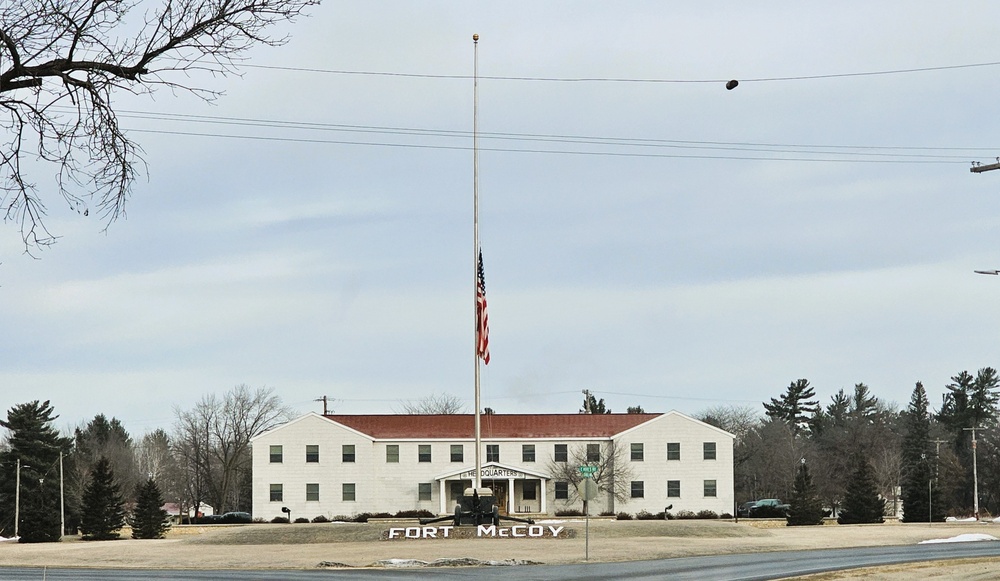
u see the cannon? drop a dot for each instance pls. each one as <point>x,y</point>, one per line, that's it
<point>478,506</point>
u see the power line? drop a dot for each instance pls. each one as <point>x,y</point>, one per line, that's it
<point>624,79</point>
<point>937,159</point>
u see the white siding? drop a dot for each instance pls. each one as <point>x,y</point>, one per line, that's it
<point>390,487</point>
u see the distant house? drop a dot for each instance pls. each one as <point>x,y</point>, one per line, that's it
<point>177,514</point>
<point>349,464</point>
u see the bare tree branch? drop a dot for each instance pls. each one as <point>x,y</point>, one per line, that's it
<point>63,61</point>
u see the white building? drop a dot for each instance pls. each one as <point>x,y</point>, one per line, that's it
<point>349,464</point>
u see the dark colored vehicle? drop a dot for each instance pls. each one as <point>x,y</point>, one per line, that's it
<point>743,510</point>
<point>769,508</point>
<point>235,518</point>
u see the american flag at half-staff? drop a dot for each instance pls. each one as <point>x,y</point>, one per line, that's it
<point>482,319</point>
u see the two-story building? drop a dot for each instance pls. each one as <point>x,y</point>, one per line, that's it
<point>349,464</point>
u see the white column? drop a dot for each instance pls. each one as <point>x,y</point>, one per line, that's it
<point>441,496</point>
<point>510,494</point>
<point>542,484</point>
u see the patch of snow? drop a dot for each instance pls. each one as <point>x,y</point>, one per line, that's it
<point>450,562</point>
<point>400,563</point>
<point>8,540</point>
<point>966,538</point>
<point>953,519</point>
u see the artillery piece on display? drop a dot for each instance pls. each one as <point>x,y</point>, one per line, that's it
<point>478,506</point>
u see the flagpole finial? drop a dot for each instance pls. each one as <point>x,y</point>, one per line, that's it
<point>475,38</point>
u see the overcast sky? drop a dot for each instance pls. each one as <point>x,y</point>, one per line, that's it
<point>654,238</point>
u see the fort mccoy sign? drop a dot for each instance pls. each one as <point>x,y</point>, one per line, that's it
<point>478,532</point>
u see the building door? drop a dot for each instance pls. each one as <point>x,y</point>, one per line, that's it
<point>500,491</point>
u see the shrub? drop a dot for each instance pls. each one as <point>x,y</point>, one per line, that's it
<point>320,518</point>
<point>707,514</point>
<point>569,512</point>
<point>302,519</point>
<point>363,517</point>
<point>726,516</point>
<point>422,513</point>
<point>342,518</point>
<point>644,515</point>
<point>686,515</point>
<point>279,520</point>
<point>607,513</point>
<point>668,516</point>
<point>623,516</point>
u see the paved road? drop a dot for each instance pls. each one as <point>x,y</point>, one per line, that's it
<point>750,567</point>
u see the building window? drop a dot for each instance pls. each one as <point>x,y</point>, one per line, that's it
<point>424,453</point>
<point>348,453</point>
<point>424,491</point>
<point>637,452</point>
<point>312,492</point>
<point>593,452</point>
<point>528,490</point>
<point>673,450</point>
<point>710,488</point>
<point>349,492</point>
<point>276,493</point>
<point>673,488</point>
<point>457,453</point>
<point>492,452</point>
<point>312,453</point>
<point>637,489</point>
<point>559,454</point>
<point>709,448</point>
<point>457,489</point>
<point>392,453</point>
<point>527,453</point>
<point>276,454</point>
<point>562,490</point>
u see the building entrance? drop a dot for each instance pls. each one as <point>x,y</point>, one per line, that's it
<point>500,491</point>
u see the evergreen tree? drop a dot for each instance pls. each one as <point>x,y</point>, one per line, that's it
<point>795,406</point>
<point>149,520</point>
<point>591,405</point>
<point>36,444</point>
<point>805,506</point>
<point>862,504</point>
<point>102,513</point>
<point>918,472</point>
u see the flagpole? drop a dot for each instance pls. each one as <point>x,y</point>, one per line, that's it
<point>477,481</point>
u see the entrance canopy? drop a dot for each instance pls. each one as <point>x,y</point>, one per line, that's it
<point>492,471</point>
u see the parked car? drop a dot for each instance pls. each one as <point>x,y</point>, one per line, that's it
<point>769,508</point>
<point>236,517</point>
<point>743,510</point>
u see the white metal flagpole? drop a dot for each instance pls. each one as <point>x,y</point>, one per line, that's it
<point>477,479</point>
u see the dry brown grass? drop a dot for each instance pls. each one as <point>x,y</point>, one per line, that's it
<point>303,546</point>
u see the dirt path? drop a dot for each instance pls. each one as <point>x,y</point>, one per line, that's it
<point>304,546</point>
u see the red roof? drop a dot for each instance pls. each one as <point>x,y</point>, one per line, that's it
<point>453,426</point>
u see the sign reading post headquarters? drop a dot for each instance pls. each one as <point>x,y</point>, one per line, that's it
<point>491,472</point>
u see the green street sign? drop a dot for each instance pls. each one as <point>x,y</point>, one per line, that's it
<point>588,470</point>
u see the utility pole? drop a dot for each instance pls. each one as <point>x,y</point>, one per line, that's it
<point>17,497</point>
<point>975,474</point>
<point>980,168</point>
<point>323,399</point>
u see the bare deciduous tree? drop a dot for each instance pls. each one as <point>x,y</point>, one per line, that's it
<point>444,403</point>
<point>61,64</point>
<point>613,475</point>
<point>213,443</point>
